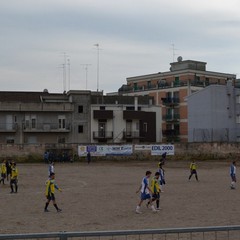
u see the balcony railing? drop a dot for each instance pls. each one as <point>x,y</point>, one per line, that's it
<point>131,135</point>
<point>172,117</point>
<point>171,132</point>
<point>103,135</point>
<point>170,101</point>
<point>8,127</point>
<point>47,127</point>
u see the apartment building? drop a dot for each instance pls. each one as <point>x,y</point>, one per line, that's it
<point>72,117</point>
<point>117,119</point>
<point>214,114</point>
<point>170,89</point>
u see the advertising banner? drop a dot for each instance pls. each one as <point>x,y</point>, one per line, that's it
<point>142,147</point>
<point>115,150</point>
<point>160,149</point>
<point>105,150</point>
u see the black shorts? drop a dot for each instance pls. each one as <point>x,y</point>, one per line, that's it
<point>3,175</point>
<point>51,197</point>
<point>156,196</point>
<point>14,181</point>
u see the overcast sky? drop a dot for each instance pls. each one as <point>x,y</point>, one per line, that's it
<point>135,37</point>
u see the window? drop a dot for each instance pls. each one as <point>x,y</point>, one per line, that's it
<point>30,121</point>
<point>149,84</point>
<point>145,127</point>
<point>80,109</point>
<point>101,129</point>
<point>177,81</point>
<point>61,140</point>
<point>10,140</point>
<point>238,119</point>
<point>176,97</point>
<point>207,81</point>
<point>61,122</point>
<point>130,108</point>
<point>237,99</point>
<point>33,122</point>
<point>135,86</point>
<point>80,128</point>
<point>102,107</point>
<point>168,94</point>
<point>137,126</point>
<point>129,127</point>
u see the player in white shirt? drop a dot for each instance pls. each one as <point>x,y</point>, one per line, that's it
<point>145,192</point>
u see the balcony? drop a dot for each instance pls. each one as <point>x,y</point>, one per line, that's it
<point>8,127</point>
<point>47,127</point>
<point>131,135</point>
<point>172,117</point>
<point>171,132</point>
<point>103,135</point>
<point>171,135</point>
<point>171,101</point>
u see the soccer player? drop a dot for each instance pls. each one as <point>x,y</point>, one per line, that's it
<point>50,190</point>
<point>51,168</point>
<point>155,187</point>
<point>3,171</point>
<point>161,175</point>
<point>193,170</point>
<point>88,157</point>
<point>9,168</point>
<point>14,178</point>
<point>233,175</point>
<point>145,192</point>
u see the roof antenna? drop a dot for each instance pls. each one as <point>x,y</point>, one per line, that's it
<point>173,51</point>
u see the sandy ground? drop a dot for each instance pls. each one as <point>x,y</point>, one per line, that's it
<point>102,196</point>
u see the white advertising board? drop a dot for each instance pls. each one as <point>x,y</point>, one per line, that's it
<point>160,149</point>
<point>142,147</point>
<point>105,150</point>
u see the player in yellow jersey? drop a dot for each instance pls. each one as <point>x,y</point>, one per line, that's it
<point>3,171</point>
<point>155,188</point>
<point>14,178</point>
<point>50,190</point>
<point>193,170</point>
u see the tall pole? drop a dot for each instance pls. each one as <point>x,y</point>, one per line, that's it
<point>64,71</point>
<point>97,45</point>
<point>173,51</point>
<point>69,74</point>
<point>86,72</point>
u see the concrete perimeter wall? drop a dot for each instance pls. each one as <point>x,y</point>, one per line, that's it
<point>204,151</point>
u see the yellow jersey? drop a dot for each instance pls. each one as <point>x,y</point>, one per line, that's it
<point>3,168</point>
<point>50,187</point>
<point>14,173</point>
<point>193,166</point>
<point>155,186</point>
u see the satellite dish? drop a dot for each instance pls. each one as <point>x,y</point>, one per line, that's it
<point>179,59</point>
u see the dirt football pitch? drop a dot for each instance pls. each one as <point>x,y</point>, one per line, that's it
<point>102,196</point>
